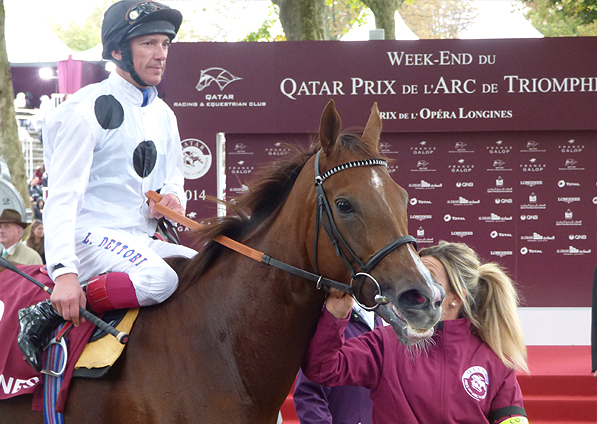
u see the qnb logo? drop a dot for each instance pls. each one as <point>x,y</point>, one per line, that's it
<point>219,76</point>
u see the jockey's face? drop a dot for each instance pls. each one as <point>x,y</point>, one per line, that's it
<point>10,233</point>
<point>149,57</point>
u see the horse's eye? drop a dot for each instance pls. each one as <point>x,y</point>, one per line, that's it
<point>343,206</point>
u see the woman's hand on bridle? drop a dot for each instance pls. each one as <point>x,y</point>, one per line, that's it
<point>339,303</point>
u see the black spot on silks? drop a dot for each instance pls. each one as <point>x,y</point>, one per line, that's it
<point>144,158</point>
<point>108,112</point>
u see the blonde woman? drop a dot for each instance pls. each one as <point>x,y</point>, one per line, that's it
<point>465,374</point>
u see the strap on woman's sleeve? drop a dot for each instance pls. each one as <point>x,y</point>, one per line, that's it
<point>507,412</point>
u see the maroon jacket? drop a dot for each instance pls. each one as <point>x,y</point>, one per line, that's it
<point>460,379</point>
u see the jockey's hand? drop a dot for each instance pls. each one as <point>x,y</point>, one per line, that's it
<point>67,297</point>
<point>168,200</point>
<point>339,303</point>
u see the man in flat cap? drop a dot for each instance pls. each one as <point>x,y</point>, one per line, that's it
<point>11,234</point>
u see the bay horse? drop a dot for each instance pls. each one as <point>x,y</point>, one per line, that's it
<point>227,345</point>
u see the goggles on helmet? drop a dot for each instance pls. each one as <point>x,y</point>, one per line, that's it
<point>139,10</point>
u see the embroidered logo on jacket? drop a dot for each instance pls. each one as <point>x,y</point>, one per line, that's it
<point>475,381</point>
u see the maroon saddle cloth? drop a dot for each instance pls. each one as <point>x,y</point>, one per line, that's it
<point>17,377</point>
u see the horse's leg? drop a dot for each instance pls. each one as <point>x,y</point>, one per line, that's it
<point>18,410</point>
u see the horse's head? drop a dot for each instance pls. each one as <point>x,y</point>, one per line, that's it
<point>366,221</point>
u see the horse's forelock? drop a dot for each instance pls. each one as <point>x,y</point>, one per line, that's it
<point>349,140</point>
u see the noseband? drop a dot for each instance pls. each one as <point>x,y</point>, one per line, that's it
<point>325,217</point>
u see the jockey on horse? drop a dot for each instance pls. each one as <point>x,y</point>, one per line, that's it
<point>104,148</point>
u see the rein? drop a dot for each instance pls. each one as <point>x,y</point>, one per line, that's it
<point>324,216</point>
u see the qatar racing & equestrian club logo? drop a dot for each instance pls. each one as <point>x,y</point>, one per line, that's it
<point>197,158</point>
<point>219,76</point>
<point>475,381</point>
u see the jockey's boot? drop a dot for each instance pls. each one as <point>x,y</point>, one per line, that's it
<point>109,291</point>
<point>106,292</point>
<point>36,325</point>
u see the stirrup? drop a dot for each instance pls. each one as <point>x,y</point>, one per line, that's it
<point>61,343</point>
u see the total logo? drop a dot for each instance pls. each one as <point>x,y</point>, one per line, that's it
<point>526,251</point>
<point>496,234</point>
<point>448,218</point>
<point>414,201</point>
<point>563,183</point>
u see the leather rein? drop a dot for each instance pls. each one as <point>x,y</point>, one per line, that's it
<point>324,216</point>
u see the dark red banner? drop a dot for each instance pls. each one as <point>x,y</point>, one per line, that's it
<point>494,140</point>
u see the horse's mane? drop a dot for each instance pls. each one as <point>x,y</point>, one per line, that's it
<point>267,192</point>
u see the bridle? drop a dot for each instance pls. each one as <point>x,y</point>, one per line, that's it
<point>325,218</point>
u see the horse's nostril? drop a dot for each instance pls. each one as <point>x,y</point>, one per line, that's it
<point>418,297</point>
<point>413,299</point>
<point>437,304</point>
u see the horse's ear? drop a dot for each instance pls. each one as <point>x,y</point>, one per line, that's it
<point>329,127</point>
<point>373,128</point>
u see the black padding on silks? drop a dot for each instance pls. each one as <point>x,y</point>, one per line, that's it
<point>108,112</point>
<point>144,158</point>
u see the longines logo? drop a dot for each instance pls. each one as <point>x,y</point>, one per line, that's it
<point>461,234</point>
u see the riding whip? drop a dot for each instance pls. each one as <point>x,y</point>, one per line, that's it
<point>98,322</point>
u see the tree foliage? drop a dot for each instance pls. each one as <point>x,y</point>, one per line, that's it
<point>438,18</point>
<point>10,146</point>
<point>554,18</point>
<point>83,37</point>
<point>384,12</point>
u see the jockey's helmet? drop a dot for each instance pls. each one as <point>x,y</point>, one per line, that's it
<point>127,19</point>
